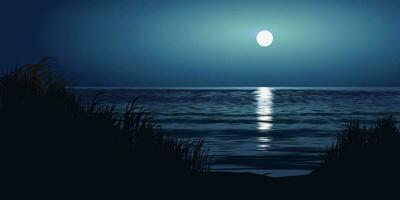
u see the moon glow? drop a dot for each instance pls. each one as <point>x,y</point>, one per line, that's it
<point>265,38</point>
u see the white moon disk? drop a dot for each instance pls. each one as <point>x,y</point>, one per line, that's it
<point>264,38</point>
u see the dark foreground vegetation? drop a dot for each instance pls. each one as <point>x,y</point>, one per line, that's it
<point>361,150</point>
<point>364,161</point>
<point>54,143</point>
<point>49,135</point>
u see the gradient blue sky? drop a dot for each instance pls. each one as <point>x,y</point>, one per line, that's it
<point>207,43</point>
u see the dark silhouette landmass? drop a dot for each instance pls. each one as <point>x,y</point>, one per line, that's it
<point>53,143</point>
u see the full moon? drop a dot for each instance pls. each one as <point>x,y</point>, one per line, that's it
<point>264,38</point>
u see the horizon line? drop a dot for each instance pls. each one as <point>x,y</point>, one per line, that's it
<point>231,87</point>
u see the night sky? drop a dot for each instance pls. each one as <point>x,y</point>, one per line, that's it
<point>206,43</point>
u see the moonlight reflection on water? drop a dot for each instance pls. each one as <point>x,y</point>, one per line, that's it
<point>264,98</point>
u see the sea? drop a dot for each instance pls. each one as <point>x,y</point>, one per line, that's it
<point>275,131</point>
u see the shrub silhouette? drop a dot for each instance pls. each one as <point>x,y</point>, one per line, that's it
<point>49,134</point>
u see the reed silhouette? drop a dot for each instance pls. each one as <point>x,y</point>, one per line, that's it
<point>363,161</point>
<point>360,149</point>
<point>48,134</point>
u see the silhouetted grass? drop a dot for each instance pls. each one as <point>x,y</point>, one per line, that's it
<point>362,152</point>
<point>48,133</point>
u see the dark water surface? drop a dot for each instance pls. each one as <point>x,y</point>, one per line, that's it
<point>281,131</point>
